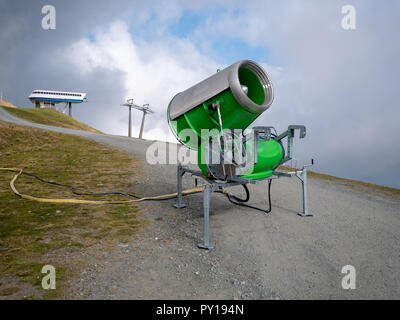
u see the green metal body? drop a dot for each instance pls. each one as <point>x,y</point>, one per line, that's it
<point>269,156</point>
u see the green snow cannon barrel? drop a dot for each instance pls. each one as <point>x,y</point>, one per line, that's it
<point>243,92</point>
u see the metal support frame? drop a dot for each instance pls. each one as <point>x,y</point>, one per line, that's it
<point>206,244</point>
<point>302,175</point>
<point>130,123</point>
<point>145,109</point>
<point>289,133</point>
<point>209,188</point>
<point>213,186</point>
<point>69,109</point>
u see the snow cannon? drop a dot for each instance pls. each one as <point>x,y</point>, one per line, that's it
<point>213,118</point>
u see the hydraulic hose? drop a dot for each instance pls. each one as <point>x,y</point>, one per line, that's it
<point>242,202</point>
<point>84,201</point>
<point>232,198</point>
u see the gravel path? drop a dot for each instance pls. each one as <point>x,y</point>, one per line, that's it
<point>257,256</point>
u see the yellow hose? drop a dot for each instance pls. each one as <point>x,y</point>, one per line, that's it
<point>82,201</point>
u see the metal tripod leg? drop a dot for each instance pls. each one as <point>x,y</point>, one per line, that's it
<point>206,204</point>
<point>180,204</point>
<point>303,177</point>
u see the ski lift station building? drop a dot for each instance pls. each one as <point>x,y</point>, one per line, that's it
<point>49,99</point>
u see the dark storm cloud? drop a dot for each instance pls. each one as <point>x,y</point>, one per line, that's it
<point>26,48</point>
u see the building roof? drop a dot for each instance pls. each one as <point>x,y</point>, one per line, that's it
<point>57,96</point>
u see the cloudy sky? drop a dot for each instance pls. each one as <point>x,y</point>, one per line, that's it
<point>342,84</point>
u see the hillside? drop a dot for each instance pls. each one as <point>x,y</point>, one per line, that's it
<point>49,117</point>
<point>33,234</point>
<point>4,103</point>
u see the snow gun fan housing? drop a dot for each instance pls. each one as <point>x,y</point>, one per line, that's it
<point>244,91</point>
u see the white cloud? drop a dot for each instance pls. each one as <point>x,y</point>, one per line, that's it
<point>153,71</point>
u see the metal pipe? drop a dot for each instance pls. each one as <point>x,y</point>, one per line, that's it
<point>142,125</point>
<point>130,123</point>
<point>206,206</point>
<point>302,175</point>
<point>180,172</point>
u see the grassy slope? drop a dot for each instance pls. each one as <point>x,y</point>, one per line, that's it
<point>30,232</point>
<point>49,117</point>
<point>4,103</point>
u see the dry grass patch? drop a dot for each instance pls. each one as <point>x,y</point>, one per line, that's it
<point>31,231</point>
<point>4,103</point>
<point>49,117</point>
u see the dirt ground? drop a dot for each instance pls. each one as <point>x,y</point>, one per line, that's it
<point>274,256</point>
